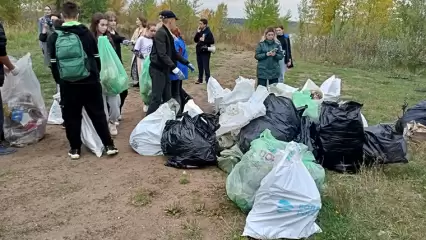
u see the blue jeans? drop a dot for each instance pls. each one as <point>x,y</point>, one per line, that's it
<point>283,68</point>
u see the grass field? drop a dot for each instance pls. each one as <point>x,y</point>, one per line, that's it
<point>139,198</point>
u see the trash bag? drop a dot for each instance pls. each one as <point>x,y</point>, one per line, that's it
<point>192,109</point>
<point>242,92</point>
<point>384,146</point>
<point>316,170</point>
<point>282,90</point>
<point>25,115</point>
<point>238,115</point>
<point>244,179</point>
<point>145,82</point>
<point>416,113</point>
<point>145,139</point>
<point>308,135</point>
<point>316,92</point>
<point>341,136</point>
<point>281,119</point>
<point>415,132</point>
<point>55,113</point>
<point>229,158</point>
<point>304,99</point>
<point>89,136</point>
<point>191,143</point>
<point>287,202</point>
<point>113,76</point>
<point>331,89</point>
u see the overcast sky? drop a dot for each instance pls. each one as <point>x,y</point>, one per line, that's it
<point>236,7</point>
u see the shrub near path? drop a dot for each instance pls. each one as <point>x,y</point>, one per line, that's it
<point>43,195</point>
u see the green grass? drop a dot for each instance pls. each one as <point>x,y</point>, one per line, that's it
<point>384,203</point>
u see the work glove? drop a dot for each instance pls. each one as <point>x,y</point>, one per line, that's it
<point>126,42</point>
<point>179,73</point>
<point>191,67</point>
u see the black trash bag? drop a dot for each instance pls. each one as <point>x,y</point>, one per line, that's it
<point>281,118</point>
<point>341,136</point>
<point>416,113</point>
<point>191,143</point>
<point>308,135</point>
<point>384,146</point>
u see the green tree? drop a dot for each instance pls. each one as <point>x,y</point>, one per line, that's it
<point>261,13</point>
<point>89,7</point>
<point>10,11</point>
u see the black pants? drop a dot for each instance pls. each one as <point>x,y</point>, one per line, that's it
<point>203,61</point>
<point>161,89</point>
<point>263,82</point>
<point>177,90</point>
<point>123,97</point>
<point>74,98</point>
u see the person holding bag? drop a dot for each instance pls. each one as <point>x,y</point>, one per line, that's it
<point>268,54</point>
<point>113,76</point>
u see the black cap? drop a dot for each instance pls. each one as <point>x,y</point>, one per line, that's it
<point>167,14</point>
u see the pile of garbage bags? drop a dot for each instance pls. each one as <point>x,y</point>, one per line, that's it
<point>25,115</point>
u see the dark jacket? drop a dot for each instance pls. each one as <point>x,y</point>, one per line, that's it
<point>268,67</point>
<point>3,52</point>
<point>164,56</point>
<point>90,46</point>
<point>117,40</point>
<point>208,40</point>
<point>285,43</point>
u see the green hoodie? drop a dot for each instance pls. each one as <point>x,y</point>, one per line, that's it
<point>268,67</point>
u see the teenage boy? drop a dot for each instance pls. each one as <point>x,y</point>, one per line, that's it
<point>204,39</point>
<point>5,66</point>
<point>75,61</point>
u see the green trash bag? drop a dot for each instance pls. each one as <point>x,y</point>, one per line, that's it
<point>317,171</point>
<point>244,180</point>
<point>113,76</point>
<point>301,99</point>
<point>145,81</point>
<point>229,158</point>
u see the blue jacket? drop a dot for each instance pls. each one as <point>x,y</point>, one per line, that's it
<point>181,49</point>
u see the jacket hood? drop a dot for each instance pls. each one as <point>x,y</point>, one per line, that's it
<point>79,29</point>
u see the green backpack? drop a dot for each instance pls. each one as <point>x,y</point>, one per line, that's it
<point>71,58</point>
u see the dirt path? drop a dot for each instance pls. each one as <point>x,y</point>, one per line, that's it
<point>44,195</point>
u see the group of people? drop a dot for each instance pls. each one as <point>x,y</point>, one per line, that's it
<point>71,51</point>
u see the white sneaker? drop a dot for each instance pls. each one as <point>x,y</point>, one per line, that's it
<point>113,129</point>
<point>120,118</point>
<point>145,108</point>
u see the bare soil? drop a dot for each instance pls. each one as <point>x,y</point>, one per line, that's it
<point>44,195</point>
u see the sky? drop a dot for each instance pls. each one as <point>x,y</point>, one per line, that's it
<point>236,7</point>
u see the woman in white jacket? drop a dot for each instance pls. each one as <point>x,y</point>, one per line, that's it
<point>143,48</point>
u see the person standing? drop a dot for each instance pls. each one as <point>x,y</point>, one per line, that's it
<point>117,39</point>
<point>135,69</point>
<point>204,39</point>
<point>164,58</point>
<point>143,48</point>
<point>178,92</point>
<point>78,71</point>
<point>41,23</point>
<point>286,46</point>
<point>268,54</point>
<point>6,66</point>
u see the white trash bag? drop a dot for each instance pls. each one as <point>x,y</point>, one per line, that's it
<point>192,108</point>
<point>282,90</point>
<point>145,139</point>
<point>332,89</point>
<point>238,115</point>
<point>313,88</point>
<point>287,203</point>
<point>25,115</point>
<point>55,113</point>
<point>242,92</point>
<point>89,136</point>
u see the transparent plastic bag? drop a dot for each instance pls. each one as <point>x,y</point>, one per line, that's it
<point>113,76</point>
<point>145,81</point>
<point>25,115</point>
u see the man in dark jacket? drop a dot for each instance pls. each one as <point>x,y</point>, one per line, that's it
<point>286,46</point>
<point>164,58</point>
<point>86,92</point>
<point>204,39</point>
<point>4,63</point>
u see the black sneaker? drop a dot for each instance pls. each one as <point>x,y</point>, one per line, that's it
<point>74,154</point>
<point>111,150</point>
